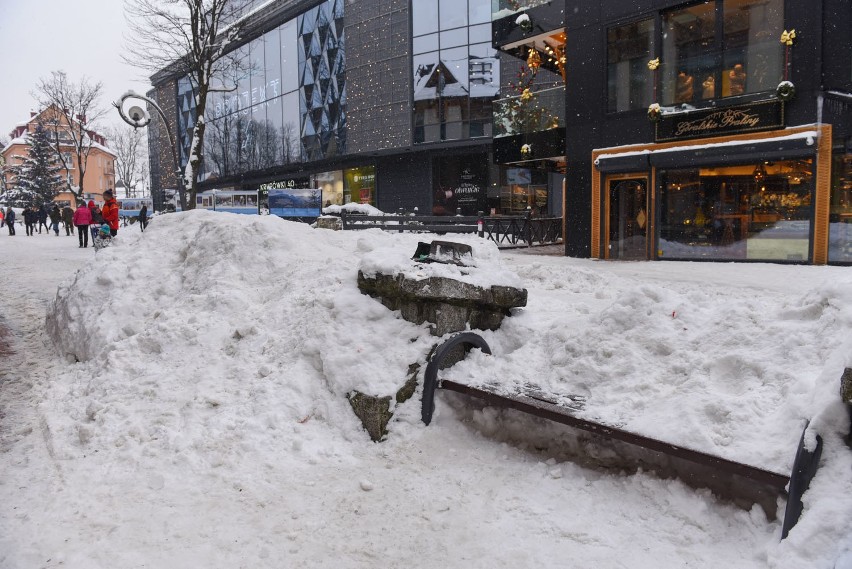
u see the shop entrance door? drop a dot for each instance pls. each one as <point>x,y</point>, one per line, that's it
<point>628,218</point>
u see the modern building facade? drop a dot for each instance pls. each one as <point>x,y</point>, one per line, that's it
<point>388,103</point>
<point>716,130</point>
<point>100,163</point>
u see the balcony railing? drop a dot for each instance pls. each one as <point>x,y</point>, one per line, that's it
<point>535,111</point>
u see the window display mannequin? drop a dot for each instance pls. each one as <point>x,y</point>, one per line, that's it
<point>684,89</point>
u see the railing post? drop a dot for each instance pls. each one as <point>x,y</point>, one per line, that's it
<point>480,224</point>
<point>400,213</point>
<point>528,228</point>
<point>430,376</point>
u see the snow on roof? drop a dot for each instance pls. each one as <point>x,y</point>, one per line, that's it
<point>812,134</point>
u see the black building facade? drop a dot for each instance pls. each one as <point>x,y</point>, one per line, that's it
<point>718,130</point>
<point>387,103</point>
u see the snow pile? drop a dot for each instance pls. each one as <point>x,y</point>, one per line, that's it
<point>200,417</point>
<point>352,207</point>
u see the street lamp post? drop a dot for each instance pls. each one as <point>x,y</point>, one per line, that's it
<point>136,116</point>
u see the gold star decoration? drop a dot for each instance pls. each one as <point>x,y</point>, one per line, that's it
<point>787,38</point>
<point>654,63</point>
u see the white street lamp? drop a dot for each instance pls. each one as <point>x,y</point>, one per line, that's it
<point>134,113</point>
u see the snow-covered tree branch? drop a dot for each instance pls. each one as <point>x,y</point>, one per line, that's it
<point>192,39</point>
<point>74,111</point>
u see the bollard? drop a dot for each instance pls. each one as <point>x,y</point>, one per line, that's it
<point>480,225</point>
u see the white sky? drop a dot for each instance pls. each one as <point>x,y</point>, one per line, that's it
<point>82,38</point>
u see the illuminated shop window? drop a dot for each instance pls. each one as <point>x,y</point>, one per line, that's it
<point>757,211</point>
<point>840,216</point>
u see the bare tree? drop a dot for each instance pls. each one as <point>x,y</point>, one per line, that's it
<point>76,109</point>
<point>128,144</point>
<point>191,38</point>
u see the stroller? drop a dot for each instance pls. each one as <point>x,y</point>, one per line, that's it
<point>101,237</point>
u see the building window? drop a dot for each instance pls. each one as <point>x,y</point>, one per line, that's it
<point>456,70</point>
<point>840,217</point>
<point>629,83</point>
<point>359,185</point>
<point>703,60</point>
<point>756,211</point>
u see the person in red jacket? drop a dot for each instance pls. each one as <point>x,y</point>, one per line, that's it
<point>109,211</point>
<point>82,219</point>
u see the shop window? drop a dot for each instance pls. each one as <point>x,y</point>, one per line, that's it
<point>702,60</point>
<point>521,190</point>
<point>459,185</point>
<point>840,217</point>
<point>757,211</point>
<point>359,185</point>
<point>629,84</point>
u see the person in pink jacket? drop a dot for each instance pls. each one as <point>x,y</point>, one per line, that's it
<point>82,219</point>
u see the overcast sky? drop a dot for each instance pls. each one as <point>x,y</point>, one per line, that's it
<point>80,37</point>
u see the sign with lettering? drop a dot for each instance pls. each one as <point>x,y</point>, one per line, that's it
<point>288,184</point>
<point>763,115</point>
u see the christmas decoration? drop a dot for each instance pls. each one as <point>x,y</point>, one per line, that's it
<point>523,112</point>
<point>785,90</point>
<point>787,38</point>
<point>533,59</point>
<point>526,150</point>
<point>653,64</point>
<point>654,112</point>
<point>524,22</point>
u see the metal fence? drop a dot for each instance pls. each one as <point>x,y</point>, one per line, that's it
<point>503,230</point>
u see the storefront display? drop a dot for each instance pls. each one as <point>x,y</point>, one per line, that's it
<point>749,197</point>
<point>359,185</point>
<point>840,216</point>
<point>757,211</point>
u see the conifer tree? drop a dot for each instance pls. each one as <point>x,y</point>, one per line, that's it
<point>38,176</point>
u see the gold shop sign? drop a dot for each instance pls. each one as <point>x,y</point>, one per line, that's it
<point>763,115</point>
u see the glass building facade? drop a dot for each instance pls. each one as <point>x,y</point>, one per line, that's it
<point>283,102</point>
<point>456,71</point>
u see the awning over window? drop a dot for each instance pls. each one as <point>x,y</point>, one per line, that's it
<point>780,148</point>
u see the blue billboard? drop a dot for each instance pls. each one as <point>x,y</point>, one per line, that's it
<point>295,202</point>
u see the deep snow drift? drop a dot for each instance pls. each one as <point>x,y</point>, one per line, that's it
<point>196,413</point>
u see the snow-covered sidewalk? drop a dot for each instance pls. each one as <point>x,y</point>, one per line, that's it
<point>206,422</point>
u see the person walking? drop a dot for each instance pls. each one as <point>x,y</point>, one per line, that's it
<point>10,220</point>
<point>41,217</point>
<point>68,220</point>
<point>110,212</point>
<point>55,218</point>
<point>82,219</point>
<point>143,217</point>
<point>30,219</point>
<point>97,218</point>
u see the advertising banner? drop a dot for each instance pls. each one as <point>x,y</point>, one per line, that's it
<point>293,202</point>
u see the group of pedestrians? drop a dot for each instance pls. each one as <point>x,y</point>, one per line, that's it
<point>87,218</point>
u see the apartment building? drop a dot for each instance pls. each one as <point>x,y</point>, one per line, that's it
<point>100,164</point>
